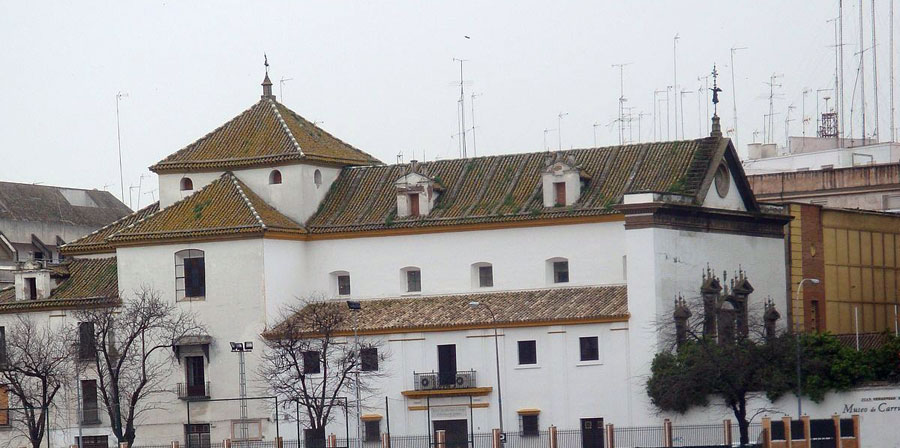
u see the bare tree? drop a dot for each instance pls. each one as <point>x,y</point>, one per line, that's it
<point>310,359</point>
<point>130,358</point>
<point>37,365</point>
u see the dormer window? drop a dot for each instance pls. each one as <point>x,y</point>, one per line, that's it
<point>562,180</point>
<point>416,193</point>
<point>187,184</point>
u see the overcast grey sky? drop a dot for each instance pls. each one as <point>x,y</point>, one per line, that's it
<point>380,75</point>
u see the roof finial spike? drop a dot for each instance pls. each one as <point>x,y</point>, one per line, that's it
<point>716,127</point>
<point>267,83</point>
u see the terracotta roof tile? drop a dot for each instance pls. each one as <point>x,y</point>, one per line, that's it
<point>96,242</point>
<point>225,206</point>
<point>266,133</point>
<point>539,306</point>
<point>85,282</point>
<point>508,187</point>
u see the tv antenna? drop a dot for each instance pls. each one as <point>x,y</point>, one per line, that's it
<point>281,83</point>
<point>733,96</point>
<point>547,131</point>
<point>119,97</point>
<point>474,148</point>
<point>461,109</point>
<point>622,100</point>
<point>559,118</point>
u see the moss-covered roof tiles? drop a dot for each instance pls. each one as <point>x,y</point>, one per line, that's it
<point>224,207</point>
<point>84,282</point>
<point>508,187</point>
<point>96,242</point>
<point>266,133</point>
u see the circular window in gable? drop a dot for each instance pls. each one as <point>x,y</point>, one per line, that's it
<point>723,182</point>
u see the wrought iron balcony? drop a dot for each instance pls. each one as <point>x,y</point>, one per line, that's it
<point>193,391</point>
<point>464,379</point>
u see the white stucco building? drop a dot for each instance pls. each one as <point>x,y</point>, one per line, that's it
<point>576,254</point>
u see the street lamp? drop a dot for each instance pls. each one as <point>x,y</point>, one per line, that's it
<point>240,348</point>
<point>814,281</point>
<point>497,360</point>
<point>355,307</point>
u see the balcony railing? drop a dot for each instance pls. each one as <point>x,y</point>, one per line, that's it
<point>464,379</point>
<point>193,391</point>
<point>90,416</point>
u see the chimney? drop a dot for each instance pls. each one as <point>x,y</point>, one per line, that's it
<point>267,88</point>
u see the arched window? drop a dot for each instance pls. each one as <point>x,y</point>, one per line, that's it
<point>275,177</point>
<point>187,184</point>
<point>190,274</point>
<point>412,278</point>
<point>317,178</point>
<point>340,281</point>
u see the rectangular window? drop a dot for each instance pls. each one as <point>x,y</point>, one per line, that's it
<point>559,190</point>
<point>485,276</point>
<point>194,277</point>
<point>527,352</point>
<point>589,348</point>
<point>195,376</point>
<point>891,202</point>
<point>197,436</point>
<point>368,358</point>
<point>414,204</point>
<point>311,362</point>
<point>530,425</point>
<point>90,411</point>
<point>373,430</point>
<point>343,285</point>
<point>413,281</point>
<point>87,347</point>
<point>447,364</point>
<point>560,272</point>
<point>31,288</point>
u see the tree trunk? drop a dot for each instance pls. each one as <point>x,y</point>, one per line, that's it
<point>740,414</point>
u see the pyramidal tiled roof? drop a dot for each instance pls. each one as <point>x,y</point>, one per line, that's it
<point>508,187</point>
<point>266,133</point>
<point>225,206</point>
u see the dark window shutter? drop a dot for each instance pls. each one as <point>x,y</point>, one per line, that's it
<point>3,360</point>
<point>373,431</point>
<point>530,425</point>
<point>311,362</point>
<point>590,350</point>
<point>560,191</point>
<point>87,348</point>
<point>369,359</point>
<point>90,410</point>
<point>414,204</point>
<point>527,352</point>
<point>194,277</point>
<point>485,276</point>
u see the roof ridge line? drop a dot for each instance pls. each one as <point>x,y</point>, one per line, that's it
<point>284,125</point>
<point>112,224</point>
<point>235,181</point>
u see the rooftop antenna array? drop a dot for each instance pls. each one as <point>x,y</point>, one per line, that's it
<point>281,83</point>
<point>862,71</point>
<point>787,126</point>
<point>474,148</point>
<point>675,83</point>
<point>657,122</point>
<point>622,100</point>
<point>681,97</point>
<point>891,46</point>
<point>768,135</point>
<point>840,89</point>
<point>803,118</point>
<point>559,118</point>
<point>733,97</point>
<point>838,52</point>
<point>119,96</point>
<point>875,74</point>
<point>461,109</point>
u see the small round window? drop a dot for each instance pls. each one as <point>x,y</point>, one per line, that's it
<point>317,178</point>
<point>722,181</point>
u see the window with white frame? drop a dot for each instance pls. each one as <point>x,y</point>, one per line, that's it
<point>558,270</point>
<point>413,278</point>
<point>482,275</point>
<point>589,348</point>
<point>190,274</point>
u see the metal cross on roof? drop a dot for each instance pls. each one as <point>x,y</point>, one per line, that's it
<point>266,63</point>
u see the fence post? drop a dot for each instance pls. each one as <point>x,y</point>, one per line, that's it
<point>174,444</point>
<point>667,433</point>
<point>332,441</point>
<point>837,430</point>
<point>767,436</point>
<point>806,436</point>
<point>385,440</point>
<point>226,443</point>
<point>279,442</point>
<point>495,438</point>
<point>786,421</point>
<point>610,435</point>
<point>554,442</point>
<point>440,438</point>
<point>856,434</point>
<point>727,425</point>
<point>123,444</point>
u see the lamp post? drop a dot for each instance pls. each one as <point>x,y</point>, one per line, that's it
<point>355,307</point>
<point>496,360</point>
<point>814,281</point>
<point>241,348</point>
